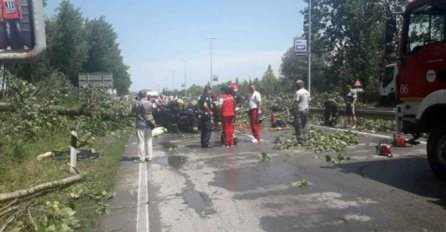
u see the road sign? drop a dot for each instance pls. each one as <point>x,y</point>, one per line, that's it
<point>96,79</point>
<point>300,47</point>
<point>22,29</point>
<point>357,84</point>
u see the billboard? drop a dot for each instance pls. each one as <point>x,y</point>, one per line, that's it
<point>96,79</point>
<point>300,47</point>
<point>22,29</point>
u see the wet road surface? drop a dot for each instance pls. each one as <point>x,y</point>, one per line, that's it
<point>233,189</point>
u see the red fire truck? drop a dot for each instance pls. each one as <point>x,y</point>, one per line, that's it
<point>421,79</point>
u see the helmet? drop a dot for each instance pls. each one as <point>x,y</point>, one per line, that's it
<point>142,94</point>
<point>180,102</point>
<point>233,87</point>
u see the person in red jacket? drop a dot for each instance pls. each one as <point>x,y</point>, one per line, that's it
<point>227,117</point>
<point>11,14</point>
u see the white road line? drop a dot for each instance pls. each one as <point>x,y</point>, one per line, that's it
<point>142,209</point>
<point>146,202</point>
<point>362,133</point>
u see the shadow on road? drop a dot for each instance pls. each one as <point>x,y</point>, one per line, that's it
<point>129,158</point>
<point>409,174</point>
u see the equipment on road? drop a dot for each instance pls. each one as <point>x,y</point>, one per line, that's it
<point>384,149</point>
<point>400,141</point>
<point>421,79</point>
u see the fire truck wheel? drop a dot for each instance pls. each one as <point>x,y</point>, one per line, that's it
<point>436,153</point>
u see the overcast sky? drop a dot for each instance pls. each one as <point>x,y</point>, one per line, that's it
<point>156,35</point>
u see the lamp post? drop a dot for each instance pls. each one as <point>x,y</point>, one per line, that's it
<point>173,80</point>
<point>309,46</point>
<point>210,41</point>
<point>185,77</point>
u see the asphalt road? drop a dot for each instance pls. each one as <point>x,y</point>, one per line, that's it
<point>187,188</point>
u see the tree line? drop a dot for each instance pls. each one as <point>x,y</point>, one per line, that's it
<point>77,44</point>
<point>348,43</point>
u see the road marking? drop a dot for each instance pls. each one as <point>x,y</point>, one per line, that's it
<point>363,133</point>
<point>142,209</point>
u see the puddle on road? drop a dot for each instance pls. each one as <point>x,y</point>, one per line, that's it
<point>169,147</point>
<point>198,201</point>
<point>174,161</point>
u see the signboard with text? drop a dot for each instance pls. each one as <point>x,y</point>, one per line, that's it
<point>300,47</point>
<point>96,79</point>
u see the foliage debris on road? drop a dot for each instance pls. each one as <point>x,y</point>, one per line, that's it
<point>337,141</point>
<point>319,141</point>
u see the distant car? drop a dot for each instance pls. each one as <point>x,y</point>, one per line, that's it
<point>153,94</point>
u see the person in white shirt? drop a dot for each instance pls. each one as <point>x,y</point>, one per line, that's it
<point>301,106</point>
<point>144,125</point>
<point>255,105</point>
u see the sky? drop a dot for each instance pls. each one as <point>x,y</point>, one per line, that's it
<point>155,36</point>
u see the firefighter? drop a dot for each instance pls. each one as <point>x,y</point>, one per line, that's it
<point>227,117</point>
<point>234,90</point>
<point>255,105</point>
<point>205,109</point>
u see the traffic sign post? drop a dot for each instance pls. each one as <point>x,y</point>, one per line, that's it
<point>300,47</point>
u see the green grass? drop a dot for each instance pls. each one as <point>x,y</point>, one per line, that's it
<point>20,169</point>
<point>101,177</point>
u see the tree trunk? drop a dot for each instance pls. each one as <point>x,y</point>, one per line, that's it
<point>38,188</point>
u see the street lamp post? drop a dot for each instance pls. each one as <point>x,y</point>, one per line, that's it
<point>309,46</point>
<point>173,80</point>
<point>210,41</point>
<point>185,77</point>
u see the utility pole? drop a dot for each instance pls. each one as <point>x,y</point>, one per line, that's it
<point>3,90</point>
<point>210,40</point>
<point>185,77</point>
<point>173,80</point>
<point>309,46</point>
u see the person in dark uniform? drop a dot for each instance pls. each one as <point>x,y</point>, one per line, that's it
<point>205,107</point>
<point>331,112</point>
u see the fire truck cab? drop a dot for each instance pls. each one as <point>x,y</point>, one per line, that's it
<point>421,79</point>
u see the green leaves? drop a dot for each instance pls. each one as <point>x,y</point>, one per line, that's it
<point>264,158</point>
<point>301,184</point>
<point>285,142</point>
<point>326,142</point>
<point>58,218</point>
<point>339,159</point>
<point>374,125</point>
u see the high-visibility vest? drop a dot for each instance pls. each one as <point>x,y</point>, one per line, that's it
<point>228,106</point>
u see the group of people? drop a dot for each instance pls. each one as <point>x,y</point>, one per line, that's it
<point>224,108</point>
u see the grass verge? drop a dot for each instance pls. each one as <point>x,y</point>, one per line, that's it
<point>20,169</point>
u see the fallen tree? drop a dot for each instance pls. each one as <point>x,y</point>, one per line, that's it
<point>26,192</point>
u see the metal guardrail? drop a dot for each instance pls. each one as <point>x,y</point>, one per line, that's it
<point>363,113</point>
